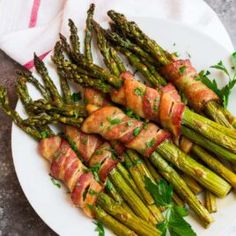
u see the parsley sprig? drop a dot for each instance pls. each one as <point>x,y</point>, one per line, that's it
<point>99,228</point>
<point>224,92</point>
<point>174,223</point>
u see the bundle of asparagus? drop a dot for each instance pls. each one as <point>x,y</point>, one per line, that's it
<point>128,207</point>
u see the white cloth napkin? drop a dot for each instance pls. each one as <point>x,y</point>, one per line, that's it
<point>28,26</point>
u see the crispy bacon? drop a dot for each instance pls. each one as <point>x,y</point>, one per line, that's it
<point>145,138</point>
<point>48,146</point>
<point>103,157</point>
<point>95,97</point>
<point>85,192</point>
<point>67,167</point>
<point>85,144</point>
<point>148,139</point>
<point>150,103</point>
<point>92,150</point>
<point>183,76</point>
<point>171,109</point>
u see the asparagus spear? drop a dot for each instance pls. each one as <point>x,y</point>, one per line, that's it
<point>111,58</point>
<point>210,202</point>
<point>215,165</point>
<point>112,224</point>
<point>133,222</point>
<point>4,103</point>
<point>41,69</point>
<point>181,188</point>
<point>88,33</point>
<point>74,38</point>
<point>192,184</point>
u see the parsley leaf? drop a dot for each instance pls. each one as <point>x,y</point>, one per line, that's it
<point>182,69</point>
<point>44,134</point>
<point>131,114</point>
<point>136,131</point>
<point>224,92</point>
<point>139,91</point>
<point>114,121</point>
<point>108,185</point>
<point>56,182</point>
<point>76,97</point>
<point>150,143</point>
<point>174,223</point>
<point>221,66</point>
<point>99,228</point>
<point>95,170</point>
<point>203,76</point>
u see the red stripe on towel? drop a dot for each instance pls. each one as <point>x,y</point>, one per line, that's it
<point>30,64</point>
<point>34,13</point>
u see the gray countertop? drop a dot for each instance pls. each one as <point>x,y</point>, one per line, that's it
<point>16,215</point>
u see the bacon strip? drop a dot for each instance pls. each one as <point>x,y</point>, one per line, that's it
<point>67,167</point>
<point>164,106</point>
<point>183,76</point>
<point>145,138</point>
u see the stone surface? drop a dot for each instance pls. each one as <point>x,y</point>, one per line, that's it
<point>16,215</point>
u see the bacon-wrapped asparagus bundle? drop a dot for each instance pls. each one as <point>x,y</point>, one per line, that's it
<point>100,157</point>
<point>156,80</point>
<point>179,72</point>
<point>164,106</point>
<point>86,192</point>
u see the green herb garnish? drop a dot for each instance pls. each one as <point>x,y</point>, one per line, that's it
<point>114,121</point>
<point>99,228</point>
<point>139,91</point>
<point>130,122</point>
<point>76,97</point>
<point>131,114</point>
<point>92,192</point>
<point>95,170</point>
<point>44,134</point>
<point>108,185</point>
<point>136,131</point>
<point>56,182</point>
<point>150,143</point>
<point>224,92</point>
<point>174,223</point>
<point>182,69</point>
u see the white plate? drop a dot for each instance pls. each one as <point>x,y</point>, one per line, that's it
<point>53,205</point>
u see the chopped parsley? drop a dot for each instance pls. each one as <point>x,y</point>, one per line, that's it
<point>44,134</point>
<point>150,143</point>
<point>84,140</point>
<point>131,114</point>
<point>139,91</point>
<point>176,54</point>
<point>95,169</point>
<point>56,182</point>
<point>182,69</point>
<point>76,97</point>
<point>114,121</point>
<point>108,185</point>
<point>99,228</point>
<point>92,192</point>
<point>130,122</point>
<point>136,131</point>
